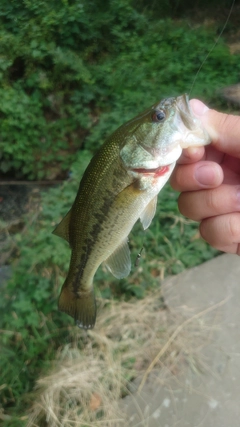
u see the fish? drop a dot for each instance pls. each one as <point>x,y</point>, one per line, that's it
<point>120,186</point>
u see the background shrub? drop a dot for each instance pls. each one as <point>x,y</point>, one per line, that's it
<point>71,72</point>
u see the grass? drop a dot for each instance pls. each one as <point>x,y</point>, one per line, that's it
<point>127,337</point>
<point>91,371</point>
<point>96,369</point>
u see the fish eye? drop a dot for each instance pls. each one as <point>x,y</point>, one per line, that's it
<point>158,116</point>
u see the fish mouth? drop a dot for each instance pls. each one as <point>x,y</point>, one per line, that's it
<point>185,112</point>
<point>160,171</point>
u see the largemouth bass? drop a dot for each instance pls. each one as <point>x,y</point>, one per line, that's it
<point>120,186</point>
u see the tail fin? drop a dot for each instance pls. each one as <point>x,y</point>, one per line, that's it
<point>82,308</point>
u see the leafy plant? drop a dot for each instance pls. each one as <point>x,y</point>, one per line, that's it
<point>71,72</point>
<point>31,326</point>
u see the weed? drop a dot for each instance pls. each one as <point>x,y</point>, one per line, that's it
<point>70,74</point>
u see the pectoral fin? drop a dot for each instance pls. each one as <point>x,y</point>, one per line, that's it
<point>148,213</point>
<point>119,262</point>
<point>62,229</point>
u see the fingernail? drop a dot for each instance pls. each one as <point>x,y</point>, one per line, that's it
<point>205,175</point>
<point>198,107</point>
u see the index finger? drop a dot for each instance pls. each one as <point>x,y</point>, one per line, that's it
<point>191,155</point>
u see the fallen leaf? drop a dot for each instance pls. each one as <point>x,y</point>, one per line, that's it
<point>95,402</point>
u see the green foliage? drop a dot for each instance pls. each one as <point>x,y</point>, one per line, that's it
<point>32,328</point>
<point>70,72</point>
<point>181,8</point>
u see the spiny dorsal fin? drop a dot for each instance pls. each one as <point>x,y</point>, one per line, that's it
<point>148,213</point>
<point>119,262</point>
<point>62,229</point>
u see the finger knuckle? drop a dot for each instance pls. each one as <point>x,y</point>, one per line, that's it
<point>211,200</point>
<point>202,231</point>
<point>234,227</point>
<point>177,179</point>
<point>183,205</point>
<point>174,181</point>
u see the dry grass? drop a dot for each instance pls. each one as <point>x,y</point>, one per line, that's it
<point>93,372</point>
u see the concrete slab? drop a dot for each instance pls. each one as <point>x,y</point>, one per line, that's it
<point>208,395</point>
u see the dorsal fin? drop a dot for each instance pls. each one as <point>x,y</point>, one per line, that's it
<point>62,229</point>
<point>148,213</point>
<point>119,262</point>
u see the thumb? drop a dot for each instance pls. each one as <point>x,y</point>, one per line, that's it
<point>224,129</point>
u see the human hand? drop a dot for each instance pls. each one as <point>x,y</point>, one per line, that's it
<point>209,180</point>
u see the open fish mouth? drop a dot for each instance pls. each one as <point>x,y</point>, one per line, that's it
<point>161,170</point>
